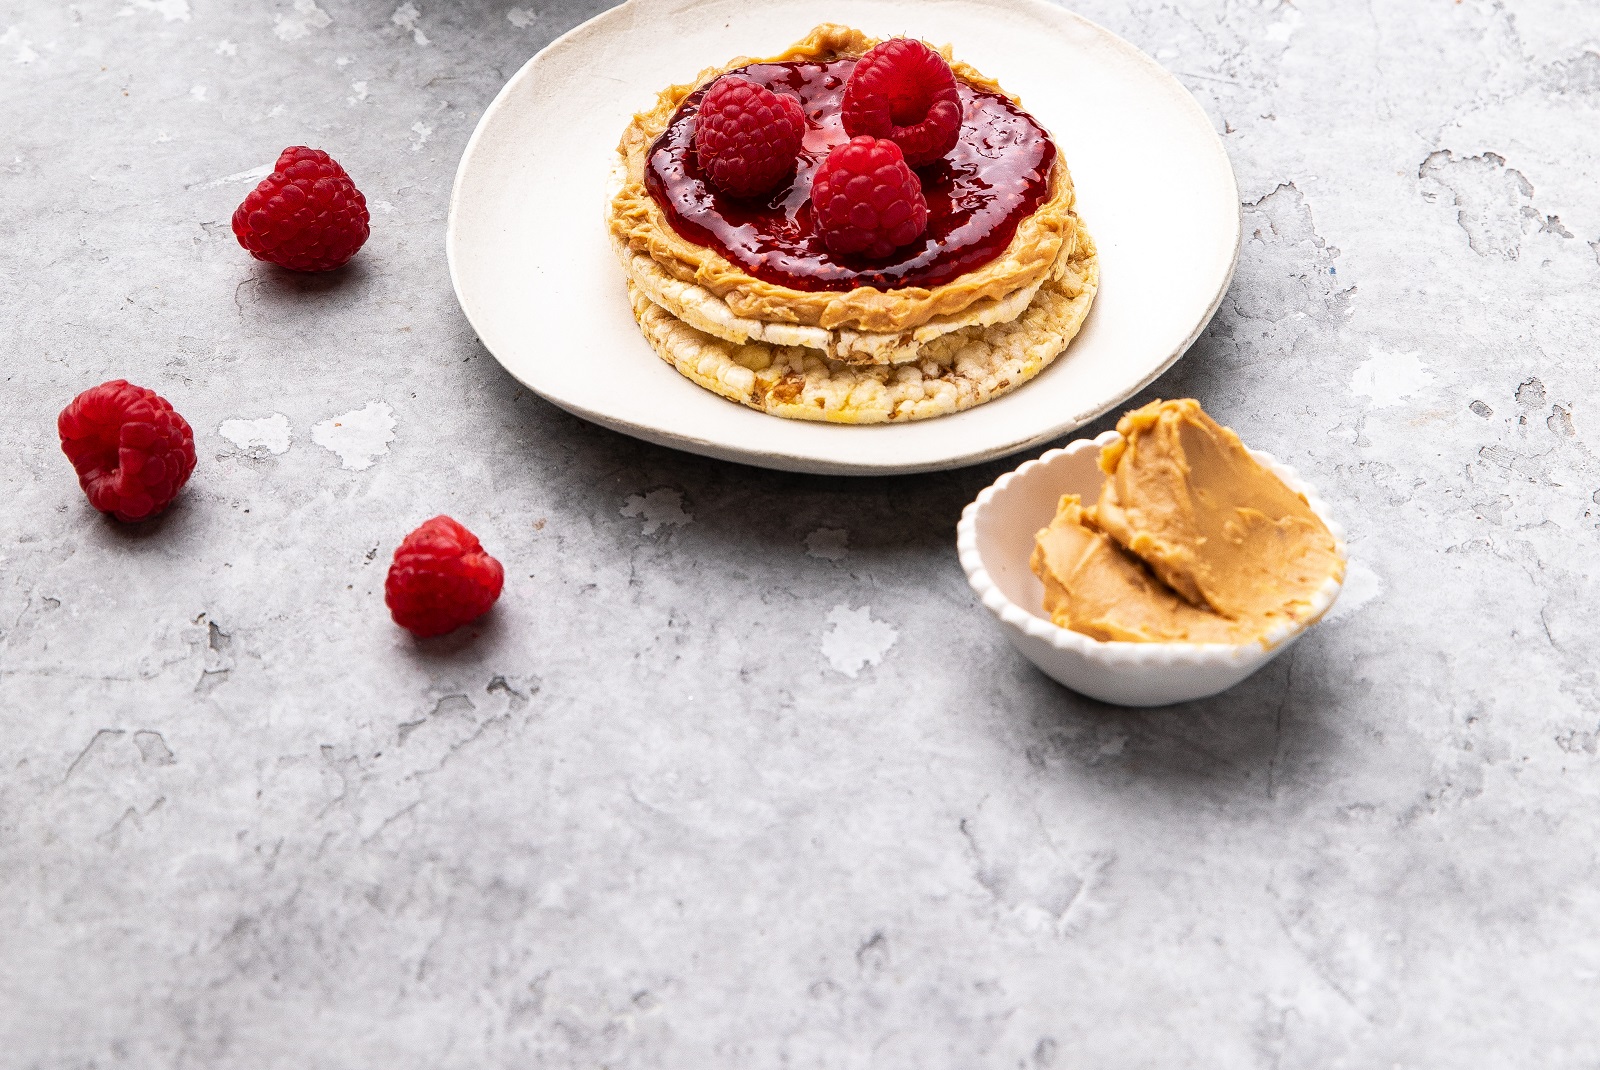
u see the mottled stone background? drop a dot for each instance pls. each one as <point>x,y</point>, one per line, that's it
<point>738,774</point>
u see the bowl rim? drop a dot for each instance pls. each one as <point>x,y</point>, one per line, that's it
<point>1122,651</point>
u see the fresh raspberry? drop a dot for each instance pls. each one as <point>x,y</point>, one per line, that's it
<point>904,91</point>
<point>131,451</point>
<point>441,579</point>
<point>866,202</point>
<point>746,137</point>
<point>306,216</point>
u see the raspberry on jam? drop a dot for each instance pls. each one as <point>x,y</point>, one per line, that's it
<point>904,91</point>
<point>865,200</point>
<point>746,137</point>
<point>996,175</point>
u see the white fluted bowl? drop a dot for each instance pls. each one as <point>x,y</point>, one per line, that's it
<point>995,539</point>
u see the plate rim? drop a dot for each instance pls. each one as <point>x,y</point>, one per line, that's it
<point>793,461</point>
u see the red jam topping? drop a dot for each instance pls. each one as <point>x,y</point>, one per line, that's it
<point>997,175</point>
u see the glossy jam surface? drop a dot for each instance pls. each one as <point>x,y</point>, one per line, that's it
<point>997,175</point>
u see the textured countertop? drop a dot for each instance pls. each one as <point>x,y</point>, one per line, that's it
<point>738,774</point>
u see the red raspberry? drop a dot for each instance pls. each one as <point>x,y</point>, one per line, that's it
<point>306,216</point>
<point>866,201</point>
<point>441,579</point>
<point>132,452</point>
<point>746,137</point>
<point>904,91</point>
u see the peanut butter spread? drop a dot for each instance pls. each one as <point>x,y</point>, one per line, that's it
<point>1093,586</point>
<point>1192,539</point>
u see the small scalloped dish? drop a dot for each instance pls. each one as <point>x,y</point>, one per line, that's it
<point>995,538</point>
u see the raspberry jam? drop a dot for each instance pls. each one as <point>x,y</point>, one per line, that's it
<point>997,175</point>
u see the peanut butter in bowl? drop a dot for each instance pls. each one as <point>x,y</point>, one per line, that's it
<point>1192,540</point>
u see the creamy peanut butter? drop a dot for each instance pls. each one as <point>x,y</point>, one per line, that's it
<point>1192,539</point>
<point>1093,586</point>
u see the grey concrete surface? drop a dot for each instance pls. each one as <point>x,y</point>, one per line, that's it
<point>737,774</point>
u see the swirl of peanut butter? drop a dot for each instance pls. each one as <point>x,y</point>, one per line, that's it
<point>1192,540</point>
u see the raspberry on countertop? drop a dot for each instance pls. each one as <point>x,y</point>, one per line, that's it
<point>441,578</point>
<point>131,451</point>
<point>305,216</point>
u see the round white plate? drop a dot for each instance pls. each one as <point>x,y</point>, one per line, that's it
<point>538,281</point>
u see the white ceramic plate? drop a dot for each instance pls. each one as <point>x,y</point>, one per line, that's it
<point>538,281</point>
